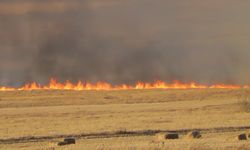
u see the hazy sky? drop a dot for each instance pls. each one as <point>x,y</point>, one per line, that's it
<point>124,41</point>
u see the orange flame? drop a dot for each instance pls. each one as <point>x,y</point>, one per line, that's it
<point>54,85</point>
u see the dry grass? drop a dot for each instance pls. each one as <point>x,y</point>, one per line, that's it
<point>48,113</point>
<point>245,106</point>
<point>218,142</point>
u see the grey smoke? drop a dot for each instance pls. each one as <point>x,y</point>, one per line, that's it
<point>125,41</point>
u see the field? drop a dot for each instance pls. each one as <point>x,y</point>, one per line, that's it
<point>126,119</point>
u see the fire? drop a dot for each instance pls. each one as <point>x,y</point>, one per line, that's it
<point>55,85</point>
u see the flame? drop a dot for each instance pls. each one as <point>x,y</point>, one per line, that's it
<point>67,85</point>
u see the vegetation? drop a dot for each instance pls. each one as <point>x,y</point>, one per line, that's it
<point>61,113</point>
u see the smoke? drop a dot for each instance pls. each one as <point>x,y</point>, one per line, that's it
<point>124,41</point>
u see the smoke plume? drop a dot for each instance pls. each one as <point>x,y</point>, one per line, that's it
<point>124,41</point>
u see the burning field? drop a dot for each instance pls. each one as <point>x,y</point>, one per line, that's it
<point>133,74</point>
<point>79,86</point>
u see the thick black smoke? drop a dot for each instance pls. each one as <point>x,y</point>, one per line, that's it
<point>124,41</point>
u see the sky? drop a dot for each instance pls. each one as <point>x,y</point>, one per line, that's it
<point>124,41</point>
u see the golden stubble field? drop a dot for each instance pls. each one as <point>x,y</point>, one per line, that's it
<point>38,119</point>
